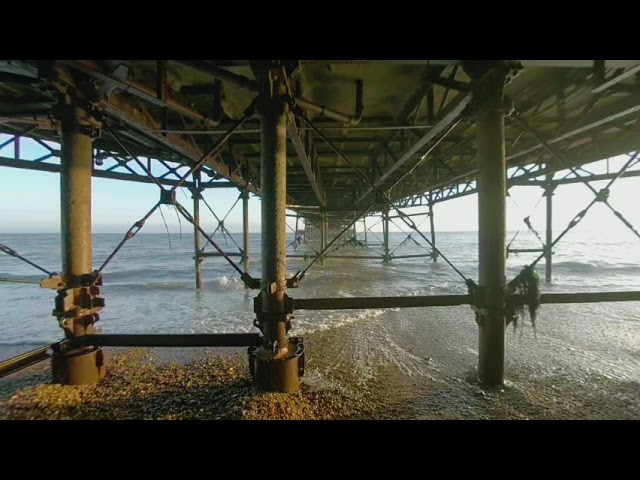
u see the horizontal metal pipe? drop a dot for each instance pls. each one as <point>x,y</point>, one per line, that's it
<point>19,362</point>
<point>348,120</point>
<point>216,254</point>
<point>19,280</point>
<point>173,340</point>
<point>355,257</point>
<point>428,255</point>
<point>590,297</point>
<point>351,303</point>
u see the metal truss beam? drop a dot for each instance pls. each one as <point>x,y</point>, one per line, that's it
<point>107,165</point>
<point>140,91</point>
<point>452,111</point>
<point>313,174</point>
<point>140,120</point>
<point>617,79</point>
<point>128,177</point>
<point>523,176</point>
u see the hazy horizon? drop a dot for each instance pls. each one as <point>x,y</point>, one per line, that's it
<point>29,203</point>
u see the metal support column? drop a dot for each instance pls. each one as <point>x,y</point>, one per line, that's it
<point>278,363</point>
<point>492,183</point>
<point>78,302</point>
<point>245,231</point>
<point>323,235</point>
<point>549,188</point>
<point>385,234</point>
<point>434,252</point>
<point>195,193</point>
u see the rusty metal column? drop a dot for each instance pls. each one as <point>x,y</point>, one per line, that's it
<point>548,191</point>
<point>78,303</point>
<point>355,233</point>
<point>323,235</point>
<point>385,235</point>
<point>492,191</point>
<point>278,363</point>
<point>364,221</point>
<point>434,253</point>
<point>195,193</point>
<point>245,230</point>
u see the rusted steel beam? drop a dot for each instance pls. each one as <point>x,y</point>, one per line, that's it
<point>613,115</point>
<point>604,151</point>
<point>252,86</point>
<point>314,179</point>
<point>140,120</point>
<point>355,303</point>
<point>137,89</point>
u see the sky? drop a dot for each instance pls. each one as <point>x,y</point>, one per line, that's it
<point>29,203</point>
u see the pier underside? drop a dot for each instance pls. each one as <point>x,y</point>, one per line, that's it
<point>333,141</point>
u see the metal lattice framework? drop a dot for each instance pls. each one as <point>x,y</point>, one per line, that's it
<point>421,132</point>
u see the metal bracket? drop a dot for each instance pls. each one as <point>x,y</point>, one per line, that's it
<point>168,197</point>
<point>288,306</point>
<point>58,282</point>
<point>603,195</point>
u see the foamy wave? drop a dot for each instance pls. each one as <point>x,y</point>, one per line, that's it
<point>307,324</point>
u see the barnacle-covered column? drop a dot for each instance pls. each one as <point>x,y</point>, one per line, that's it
<point>491,294</point>
<point>78,301</point>
<point>278,363</point>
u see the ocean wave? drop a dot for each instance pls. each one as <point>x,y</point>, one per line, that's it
<point>220,283</point>
<point>596,266</point>
<point>141,272</point>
